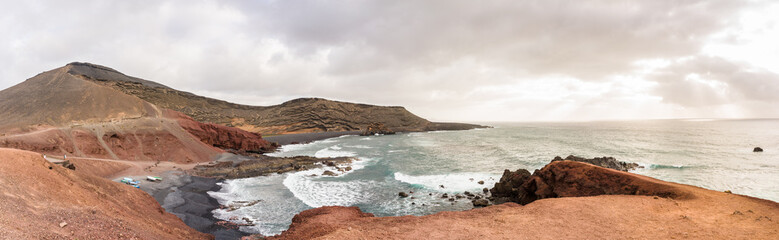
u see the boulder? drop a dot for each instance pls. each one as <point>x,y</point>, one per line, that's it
<point>329,173</point>
<point>403,194</point>
<point>757,149</point>
<point>481,182</point>
<point>480,203</point>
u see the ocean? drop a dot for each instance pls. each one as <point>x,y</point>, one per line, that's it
<point>713,154</point>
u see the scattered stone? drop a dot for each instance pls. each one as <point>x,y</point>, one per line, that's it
<point>67,164</point>
<point>348,169</point>
<point>485,190</point>
<point>330,163</point>
<point>403,194</point>
<point>480,203</point>
<point>442,186</point>
<point>412,203</point>
<point>467,193</point>
<point>757,149</point>
<point>481,182</point>
<point>655,197</point>
<point>445,195</point>
<point>477,197</point>
<point>458,196</point>
<point>737,213</point>
<point>728,191</point>
<point>451,199</point>
<point>63,224</point>
<point>329,173</point>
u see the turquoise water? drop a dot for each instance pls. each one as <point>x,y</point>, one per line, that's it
<point>712,154</point>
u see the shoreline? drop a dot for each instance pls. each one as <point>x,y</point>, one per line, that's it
<point>187,197</point>
<point>297,138</point>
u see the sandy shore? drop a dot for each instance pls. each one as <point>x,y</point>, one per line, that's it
<point>306,137</point>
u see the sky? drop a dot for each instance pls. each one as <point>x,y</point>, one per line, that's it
<point>447,60</point>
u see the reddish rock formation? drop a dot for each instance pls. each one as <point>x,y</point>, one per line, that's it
<point>318,222</point>
<point>41,200</point>
<point>653,209</point>
<point>575,179</point>
<point>222,136</point>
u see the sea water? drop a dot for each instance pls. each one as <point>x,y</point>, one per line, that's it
<point>713,154</point>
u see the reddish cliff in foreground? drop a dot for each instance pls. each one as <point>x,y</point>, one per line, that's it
<point>41,200</point>
<point>222,136</point>
<point>680,211</point>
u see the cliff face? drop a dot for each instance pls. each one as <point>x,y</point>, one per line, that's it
<point>584,201</point>
<point>42,200</point>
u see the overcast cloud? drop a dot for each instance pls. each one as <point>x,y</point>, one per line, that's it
<point>443,60</point>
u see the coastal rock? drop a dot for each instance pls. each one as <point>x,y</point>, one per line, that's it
<point>481,182</point>
<point>376,128</point>
<point>480,203</point>
<point>573,179</point>
<point>403,194</point>
<point>507,188</point>
<point>329,173</point>
<point>607,162</point>
<point>757,149</point>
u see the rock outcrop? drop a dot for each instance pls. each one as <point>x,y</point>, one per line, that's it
<point>566,178</point>
<point>607,162</point>
<point>228,138</point>
<point>581,201</point>
<point>757,149</point>
<point>376,128</point>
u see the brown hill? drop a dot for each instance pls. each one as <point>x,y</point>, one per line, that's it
<point>295,116</point>
<point>581,207</point>
<point>41,200</point>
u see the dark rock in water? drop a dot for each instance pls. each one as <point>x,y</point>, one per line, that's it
<point>445,195</point>
<point>348,169</point>
<point>442,186</point>
<point>485,190</point>
<point>329,173</point>
<point>506,189</point>
<point>757,149</point>
<point>403,194</point>
<point>607,162</point>
<point>451,199</point>
<point>376,128</point>
<point>480,203</point>
<point>481,182</point>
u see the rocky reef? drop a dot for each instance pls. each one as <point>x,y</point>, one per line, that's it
<point>263,165</point>
<point>376,128</point>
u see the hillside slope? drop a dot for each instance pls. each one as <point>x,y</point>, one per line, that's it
<point>295,116</point>
<point>41,200</point>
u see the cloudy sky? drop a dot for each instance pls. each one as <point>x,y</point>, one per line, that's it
<point>545,60</point>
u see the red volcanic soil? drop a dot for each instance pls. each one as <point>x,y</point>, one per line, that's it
<point>41,200</point>
<point>222,136</point>
<point>682,211</point>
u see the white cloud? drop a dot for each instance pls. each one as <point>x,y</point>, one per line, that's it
<point>444,60</point>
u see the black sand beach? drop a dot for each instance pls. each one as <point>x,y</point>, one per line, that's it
<point>187,197</point>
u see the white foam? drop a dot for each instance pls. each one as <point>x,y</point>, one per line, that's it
<point>331,152</point>
<point>316,193</point>
<point>454,182</point>
<point>358,146</point>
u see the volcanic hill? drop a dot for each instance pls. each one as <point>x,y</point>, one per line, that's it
<point>93,111</point>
